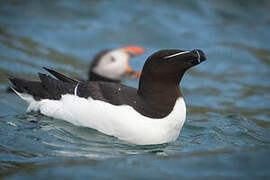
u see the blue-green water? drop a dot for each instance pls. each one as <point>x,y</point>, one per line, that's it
<point>227,131</point>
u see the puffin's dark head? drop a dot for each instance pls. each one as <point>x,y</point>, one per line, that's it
<point>173,61</point>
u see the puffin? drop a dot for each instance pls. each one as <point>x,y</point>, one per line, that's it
<point>153,113</point>
<point>113,65</point>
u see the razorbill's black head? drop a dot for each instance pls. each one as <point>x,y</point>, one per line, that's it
<point>168,63</point>
<point>165,69</point>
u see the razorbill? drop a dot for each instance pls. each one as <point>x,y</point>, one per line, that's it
<point>152,114</point>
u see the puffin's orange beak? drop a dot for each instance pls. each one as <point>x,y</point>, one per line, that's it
<point>130,72</point>
<point>134,50</point>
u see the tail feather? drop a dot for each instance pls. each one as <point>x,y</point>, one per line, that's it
<point>33,88</point>
<point>62,77</point>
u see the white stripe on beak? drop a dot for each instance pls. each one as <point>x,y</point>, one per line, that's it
<point>173,55</point>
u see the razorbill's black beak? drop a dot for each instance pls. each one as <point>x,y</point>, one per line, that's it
<point>194,56</point>
<point>199,55</point>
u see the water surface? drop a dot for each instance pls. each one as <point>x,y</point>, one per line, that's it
<point>226,134</point>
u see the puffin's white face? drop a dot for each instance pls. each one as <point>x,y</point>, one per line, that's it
<point>113,65</point>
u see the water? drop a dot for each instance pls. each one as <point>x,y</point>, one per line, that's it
<point>226,134</point>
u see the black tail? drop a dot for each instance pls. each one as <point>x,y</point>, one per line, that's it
<point>33,88</point>
<point>46,88</point>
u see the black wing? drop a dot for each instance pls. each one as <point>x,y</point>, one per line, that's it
<point>50,88</point>
<point>46,88</point>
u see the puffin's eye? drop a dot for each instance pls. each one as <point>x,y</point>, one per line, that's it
<point>113,59</point>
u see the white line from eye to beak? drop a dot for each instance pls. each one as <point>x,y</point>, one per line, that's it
<point>199,56</point>
<point>173,55</point>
